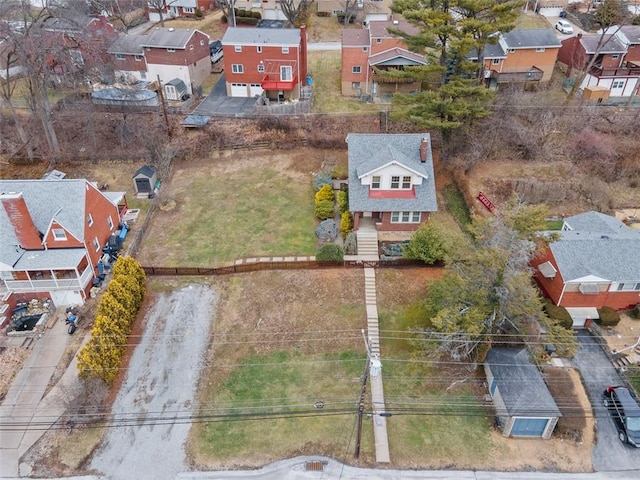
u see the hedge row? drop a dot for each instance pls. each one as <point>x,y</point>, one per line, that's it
<point>101,357</point>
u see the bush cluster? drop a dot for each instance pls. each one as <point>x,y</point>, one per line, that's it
<point>346,224</point>
<point>324,202</point>
<point>343,201</point>
<point>608,317</point>
<point>559,314</point>
<point>329,252</point>
<point>102,355</point>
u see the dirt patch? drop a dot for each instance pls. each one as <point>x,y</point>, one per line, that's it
<point>625,335</point>
<point>11,358</point>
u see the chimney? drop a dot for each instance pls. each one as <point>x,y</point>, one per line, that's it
<point>424,149</point>
<point>25,230</point>
<point>303,55</point>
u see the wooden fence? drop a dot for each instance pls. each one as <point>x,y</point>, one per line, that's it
<point>280,265</point>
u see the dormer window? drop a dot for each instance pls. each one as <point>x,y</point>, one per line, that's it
<point>406,183</point>
<point>395,183</point>
<point>375,182</point>
<point>59,234</point>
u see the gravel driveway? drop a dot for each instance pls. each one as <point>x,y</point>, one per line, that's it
<point>159,389</point>
<point>609,454</point>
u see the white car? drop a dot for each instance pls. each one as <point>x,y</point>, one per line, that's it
<point>564,27</point>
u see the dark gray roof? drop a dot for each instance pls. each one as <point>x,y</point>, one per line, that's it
<point>531,38</point>
<point>168,37</point>
<point>599,245</point>
<point>490,51</point>
<point>612,45</point>
<point>631,33</point>
<point>127,45</point>
<point>262,36</point>
<point>145,171</point>
<point>368,152</point>
<point>520,383</point>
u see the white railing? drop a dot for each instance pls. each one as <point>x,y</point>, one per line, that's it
<point>50,284</point>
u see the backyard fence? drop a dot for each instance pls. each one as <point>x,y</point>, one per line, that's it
<point>280,265</point>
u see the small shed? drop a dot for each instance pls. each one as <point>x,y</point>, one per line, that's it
<point>176,90</point>
<point>144,180</point>
<point>524,406</point>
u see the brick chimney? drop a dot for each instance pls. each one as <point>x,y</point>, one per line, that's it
<point>20,218</point>
<point>424,149</point>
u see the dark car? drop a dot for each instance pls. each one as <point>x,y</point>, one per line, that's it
<point>625,411</point>
<point>215,49</point>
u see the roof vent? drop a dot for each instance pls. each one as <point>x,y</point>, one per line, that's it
<point>604,237</point>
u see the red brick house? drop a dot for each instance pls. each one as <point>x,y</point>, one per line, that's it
<point>629,35</point>
<point>391,180</point>
<point>84,39</point>
<point>368,52</point>
<point>168,53</point>
<point>612,69</point>
<point>269,60</point>
<point>180,8</point>
<point>52,234</point>
<point>595,263</point>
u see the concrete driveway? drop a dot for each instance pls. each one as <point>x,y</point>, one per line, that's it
<point>609,454</point>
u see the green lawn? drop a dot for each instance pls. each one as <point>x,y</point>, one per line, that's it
<point>251,212</point>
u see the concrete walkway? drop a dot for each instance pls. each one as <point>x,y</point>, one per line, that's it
<point>367,238</point>
<point>24,416</point>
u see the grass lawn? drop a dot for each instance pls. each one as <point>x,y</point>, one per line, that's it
<point>226,209</point>
<point>529,21</point>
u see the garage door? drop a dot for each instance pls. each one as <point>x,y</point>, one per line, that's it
<point>255,89</point>
<point>551,11</point>
<point>529,427</point>
<point>239,90</point>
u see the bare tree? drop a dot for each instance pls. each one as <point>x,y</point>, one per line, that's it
<point>610,16</point>
<point>350,10</point>
<point>124,11</point>
<point>160,5</point>
<point>294,10</point>
<point>228,10</point>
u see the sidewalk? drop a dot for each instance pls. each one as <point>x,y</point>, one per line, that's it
<point>23,410</point>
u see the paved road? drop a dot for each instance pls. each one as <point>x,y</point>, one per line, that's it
<point>609,454</point>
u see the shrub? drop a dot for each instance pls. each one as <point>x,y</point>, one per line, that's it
<point>324,209</point>
<point>608,317</point>
<point>428,244</point>
<point>247,20</point>
<point>320,179</point>
<point>340,172</point>
<point>343,201</point>
<point>457,206</point>
<point>346,224</point>
<point>329,252</point>
<point>559,314</point>
<point>325,193</point>
<point>635,312</point>
<point>350,244</point>
<point>323,14</point>
<point>199,13</point>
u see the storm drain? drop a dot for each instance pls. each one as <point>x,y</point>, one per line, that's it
<point>314,466</point>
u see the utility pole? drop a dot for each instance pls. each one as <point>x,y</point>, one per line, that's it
<point>363,393</point>
<point>164,106</point>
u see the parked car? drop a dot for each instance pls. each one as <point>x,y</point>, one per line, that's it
<point>215,48</point>
<point>625,411</point>
<point>564,27</point>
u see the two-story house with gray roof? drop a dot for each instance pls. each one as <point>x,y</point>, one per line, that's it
<point>269,60</point>
<point>611,69</point>
<point>595,263</point>
<point>391,182</point>
<point>51,236</point>
<point>524,406</point>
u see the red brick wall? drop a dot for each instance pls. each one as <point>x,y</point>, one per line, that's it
<point>249,58</point>
<point>386,225</point>
<point>130,64</point>
<point>633,53</point>
<point>100,209</point>
<point>196,49</point>
<point>352,57</point>
<point>609,62</point>
<point>386,43</point>
<point>572,53</point>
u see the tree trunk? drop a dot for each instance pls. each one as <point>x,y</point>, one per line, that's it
<point>22,135</point>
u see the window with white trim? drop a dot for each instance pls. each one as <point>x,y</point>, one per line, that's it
<point>285,49</point>
<point>96,244</point>
<point>110,222</point>
<point>259,48</point>
<point>237,68</point>
<point>356,69</point>
<point>138,58</point>
<point>405,217</point>
<point>540,50</point>
<point>406,183</point>
<point>395,182</point>
<point>365,49</point>
<point>237,48</point>
<point>59,234</point>
<point>260,68</point>
<point>375,182</point>
<point>512,50</point>
<point>171,50</point>
<point>89,220</point>
<point>617,84</point>
<point>355,85</point>
<point>628,287</point>
<point>120,56</point>
<point>615,56</point>
<point>286,73</point>
<point>495,61</point>
<point>188,9</point>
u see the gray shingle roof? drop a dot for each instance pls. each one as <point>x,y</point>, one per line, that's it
<point>380,28</point>
<point>520,383</point>
<point>128,45</point>
<point>631,33</point>
<point>262,36</point>
<point>532,38</point>
<point>612,45</point>
<point>167,37</point>
<point>490,51</point>
<point>355,38</point>
<point>55,258</point>
<point>403,57</point>
<point>368,152</point>
<point>598,245</point>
